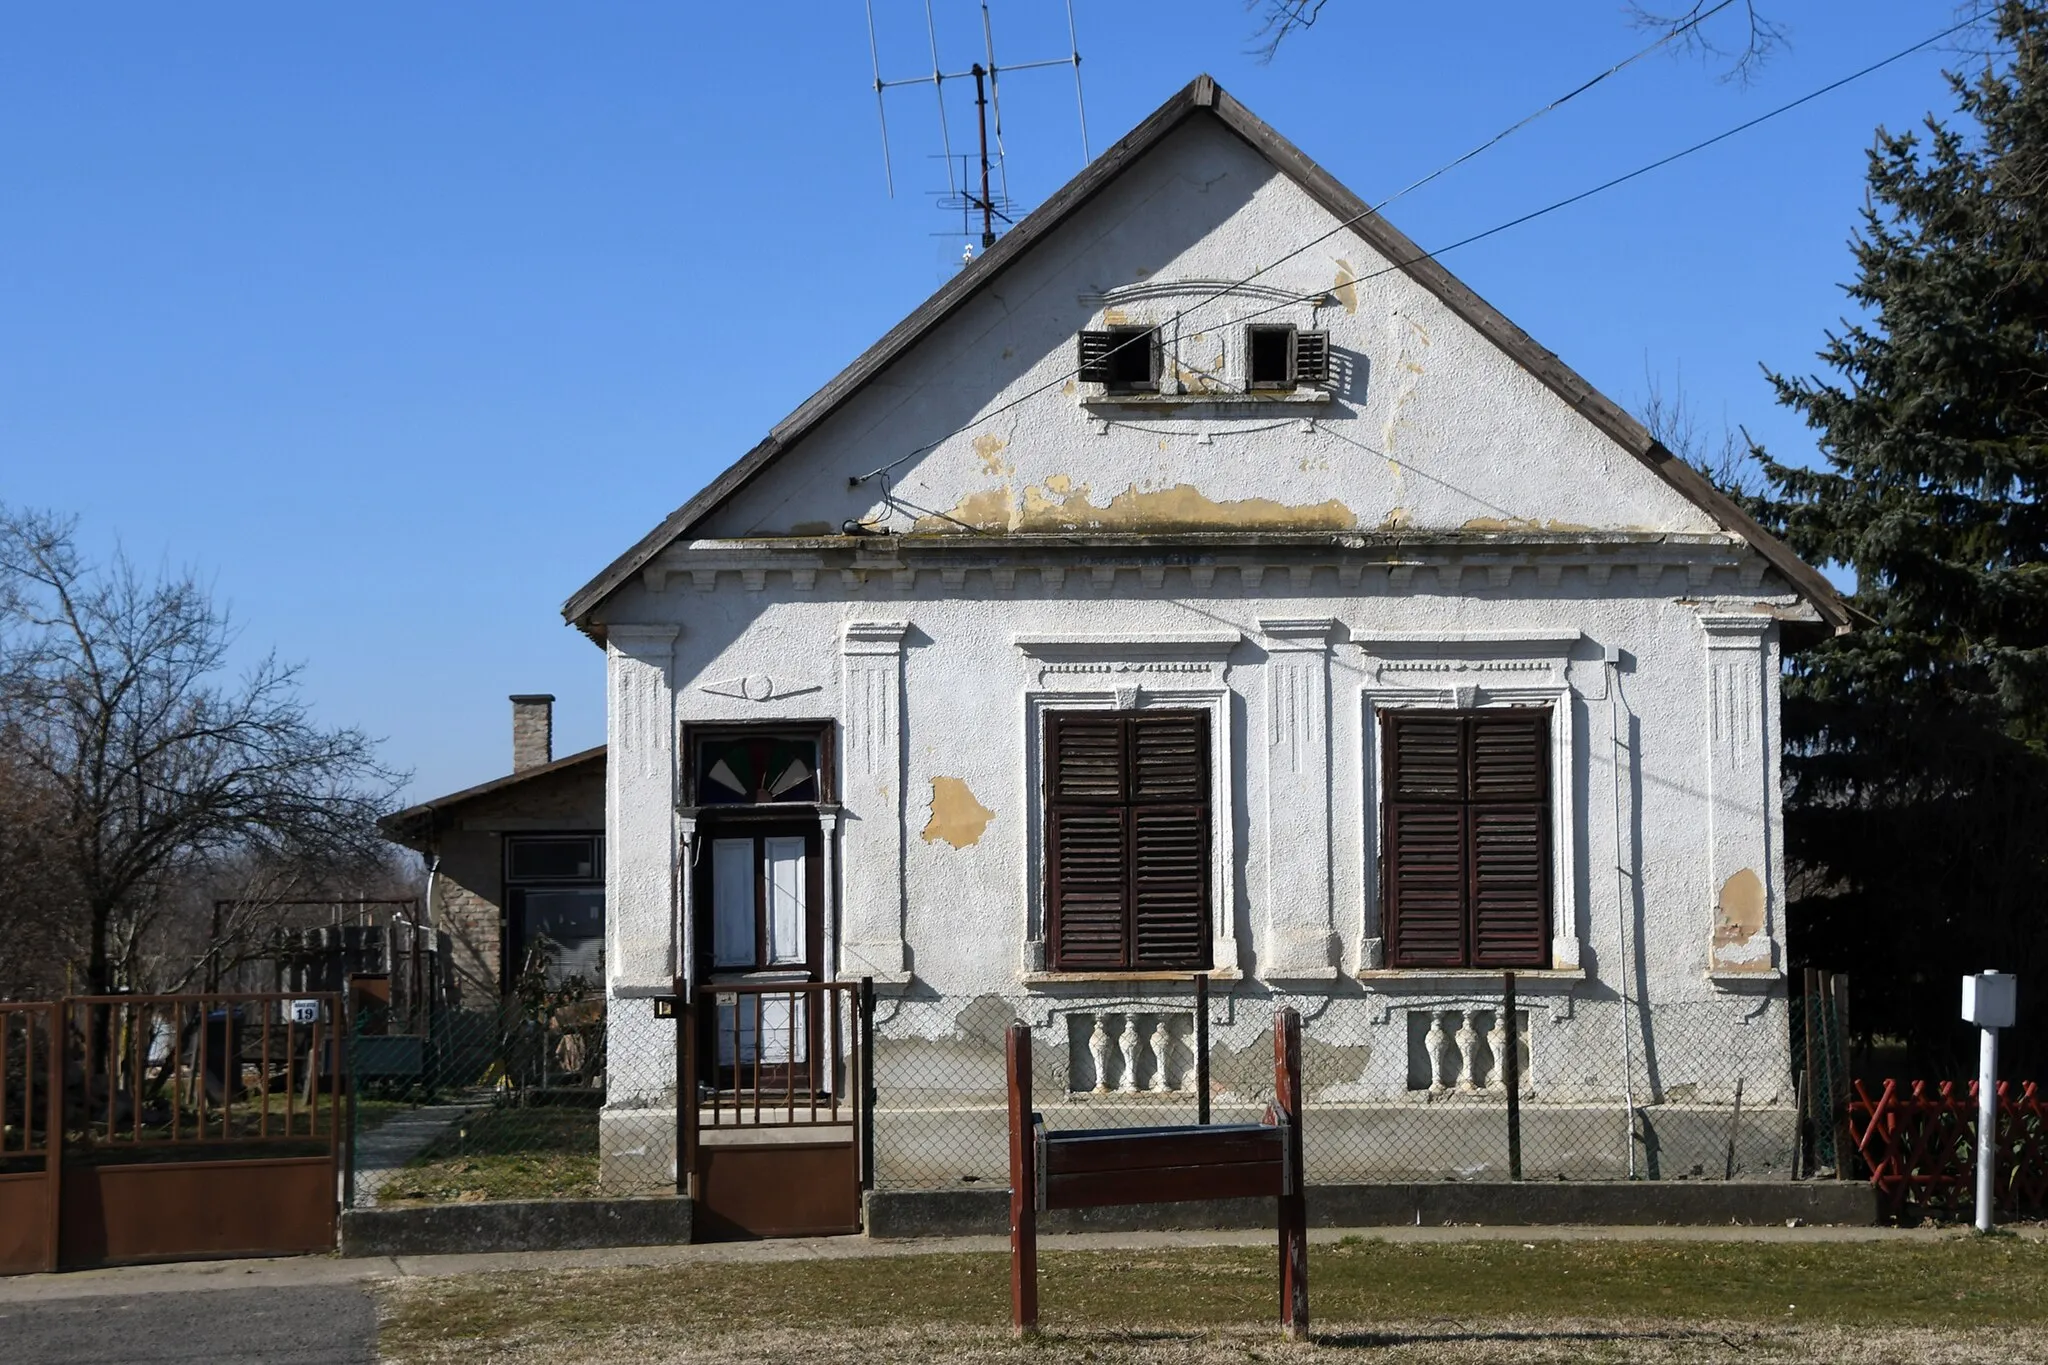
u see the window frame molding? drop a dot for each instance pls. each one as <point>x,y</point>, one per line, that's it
<point>1187,672</point>
<point>1481,670</point>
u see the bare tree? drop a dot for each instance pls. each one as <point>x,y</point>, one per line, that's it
<point>1728,462</point>
<point>1740,48</point>
<point>114,697</point>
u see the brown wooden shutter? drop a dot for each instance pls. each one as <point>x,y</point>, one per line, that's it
<point>1094,356</point>
<point>1466,862</point>
<point>1170,840</point>
<point>1089,855</point>
<point>1311,357</point>
<point>1127,844</point>
<point>1509,829</point>
<point>1426,882</point>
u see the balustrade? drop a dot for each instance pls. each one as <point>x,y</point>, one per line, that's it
<point>1129,1052</point>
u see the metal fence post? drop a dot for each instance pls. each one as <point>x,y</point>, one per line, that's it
<point>1511,1076</point>
<point>1202,1049</point>
<point>866,1046</point>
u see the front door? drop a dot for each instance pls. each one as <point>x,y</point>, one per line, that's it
<point>760,895</point>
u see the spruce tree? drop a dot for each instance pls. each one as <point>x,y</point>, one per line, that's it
<point>1917,745</point>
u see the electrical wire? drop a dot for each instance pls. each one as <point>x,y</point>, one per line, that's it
<point>855,481</point>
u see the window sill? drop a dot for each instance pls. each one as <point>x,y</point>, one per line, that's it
<point>1471,980</point>
<point>1761,980</point>
<point>1046,980</point>
<point>1227,398</point>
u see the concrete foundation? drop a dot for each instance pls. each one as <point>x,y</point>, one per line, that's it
<point>515,1225</point>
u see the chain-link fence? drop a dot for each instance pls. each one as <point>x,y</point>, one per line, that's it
<point>1556,1081</point>
<point>560,1095</point>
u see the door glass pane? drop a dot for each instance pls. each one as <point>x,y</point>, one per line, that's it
<point>785,879</point>
<point>732,902</point>
<point>780,1035</point>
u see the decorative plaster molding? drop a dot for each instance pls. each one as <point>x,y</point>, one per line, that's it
<point>758,687</point>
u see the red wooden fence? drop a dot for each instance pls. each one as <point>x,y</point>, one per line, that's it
<point>1919,1144</point>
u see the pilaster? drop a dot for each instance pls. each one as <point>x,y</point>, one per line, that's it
<point>1741,885</point>
<point>641,837</point>
<point>1301,941</point>
<point>872,828</point>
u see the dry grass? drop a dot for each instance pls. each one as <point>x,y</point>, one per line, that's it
<point>1964,1299</point>
<point>516,1152</point>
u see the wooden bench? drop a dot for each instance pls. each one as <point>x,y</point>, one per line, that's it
<point>1096,1167</point>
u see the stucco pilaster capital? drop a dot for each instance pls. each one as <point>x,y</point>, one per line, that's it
<point>1298,634</point>
<point>874,637</point>
<point>642,641</point>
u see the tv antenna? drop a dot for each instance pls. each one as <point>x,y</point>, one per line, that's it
<point>992,201</point>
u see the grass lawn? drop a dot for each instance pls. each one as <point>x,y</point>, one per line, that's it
<point>1958,1299</point>
<point>515,1152</point>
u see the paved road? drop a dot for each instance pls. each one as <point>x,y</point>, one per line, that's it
<point>329,1324</point>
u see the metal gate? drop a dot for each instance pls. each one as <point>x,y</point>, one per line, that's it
<point>169,1127</point>
<point>774,1132</point>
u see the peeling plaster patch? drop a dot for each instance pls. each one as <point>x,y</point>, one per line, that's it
<point>990,449</point>
<point>1739,915</point>
<point>957,817</point>
<point>1346,289</point>
<point>1396,518</point>
<point>1411,341</point>
<point>1058,505</point>
<point>1070,390</point>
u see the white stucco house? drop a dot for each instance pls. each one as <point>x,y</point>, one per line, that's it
<point>1206,581</point>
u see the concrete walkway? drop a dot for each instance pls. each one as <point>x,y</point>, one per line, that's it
<point>383,1151</point>
<point>305,1271</point>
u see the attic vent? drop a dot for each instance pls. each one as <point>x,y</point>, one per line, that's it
<point>1123,359</point>
<point>1281,357</point>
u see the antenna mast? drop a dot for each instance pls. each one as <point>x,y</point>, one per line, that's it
<point>993,201</point>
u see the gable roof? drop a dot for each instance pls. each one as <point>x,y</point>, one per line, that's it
<point>415,825</point>
<point>1203,96</point>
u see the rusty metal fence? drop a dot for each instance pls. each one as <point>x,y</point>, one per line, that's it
<point>137,1128</point>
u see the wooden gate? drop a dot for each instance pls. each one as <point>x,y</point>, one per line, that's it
<point>776,1142</point>
<point>170,1127</point>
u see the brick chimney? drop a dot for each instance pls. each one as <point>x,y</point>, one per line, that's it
<point>533,730</point>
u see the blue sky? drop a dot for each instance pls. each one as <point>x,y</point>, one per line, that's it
<point>398,322</point>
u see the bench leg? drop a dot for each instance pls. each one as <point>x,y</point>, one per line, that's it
<point>1023,1188</point>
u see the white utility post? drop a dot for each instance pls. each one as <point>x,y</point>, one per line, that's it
<point>1989,999</point>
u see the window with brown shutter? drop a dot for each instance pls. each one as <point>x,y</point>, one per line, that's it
<point>1465,866</point>
<point>1127,840</point>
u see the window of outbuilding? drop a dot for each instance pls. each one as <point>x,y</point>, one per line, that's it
<point>1128,830</point>
<point>1465,859</point>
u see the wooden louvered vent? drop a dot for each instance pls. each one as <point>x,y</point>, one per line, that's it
<point>1465,869</point>
<point>1127,846</point>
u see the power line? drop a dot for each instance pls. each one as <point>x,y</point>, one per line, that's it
<point>856,480</point>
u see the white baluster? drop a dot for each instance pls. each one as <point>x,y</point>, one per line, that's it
<point>1128,1043</point>
<point>1098,1049</point>
<point>1496,1043</point>
<point>1433,1044</point>
<point>1161,1041</point>
<point>1468,1053</point>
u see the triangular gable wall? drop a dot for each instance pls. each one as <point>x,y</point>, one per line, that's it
<point>1444,418</point>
